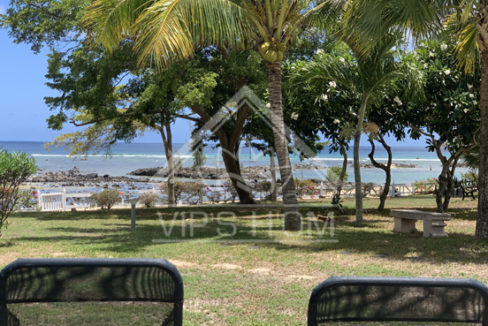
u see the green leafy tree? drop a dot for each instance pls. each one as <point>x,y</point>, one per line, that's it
<point>468,25</point>
<point>44,22</point>
<point>448,115</point>
<point>94,92</point>
<point>385,119</point>
<point>15,168</point>
<point>164,30</point>
<point>366,77</point>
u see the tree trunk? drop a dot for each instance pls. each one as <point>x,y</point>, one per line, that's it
<point>482,220</point>
<point>441,191</point>
<point>233,168</point>
<point>292,216</point>
<point>450,186</point>
<point>357,167</point>
<point>337,196</point>
<point>385,167</point>
<point>168,150</point>
<point>272,167</point>
<point>357,180</point>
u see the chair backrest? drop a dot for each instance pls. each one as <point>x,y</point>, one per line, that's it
<point>91,292</point>
<point>371,299</point>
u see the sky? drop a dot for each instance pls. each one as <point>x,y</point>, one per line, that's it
<point>23,112</point>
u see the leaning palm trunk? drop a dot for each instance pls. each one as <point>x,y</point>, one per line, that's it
<point>292,217</point>
<point>482,221</point>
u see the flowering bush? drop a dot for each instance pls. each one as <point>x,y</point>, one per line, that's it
<point>305,187</point>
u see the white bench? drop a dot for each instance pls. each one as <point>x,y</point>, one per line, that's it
<point>434,223</point>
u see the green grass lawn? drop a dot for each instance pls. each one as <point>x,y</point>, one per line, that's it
<point>261,275</point>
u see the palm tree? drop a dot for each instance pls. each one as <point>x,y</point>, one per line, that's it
<point>468,21</point>
<point>367,76</point>
<point>164,30</point>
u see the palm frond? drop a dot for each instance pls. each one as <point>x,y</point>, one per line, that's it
<point>463,24</point>
<point>168,29</point>
<point>109,21</point>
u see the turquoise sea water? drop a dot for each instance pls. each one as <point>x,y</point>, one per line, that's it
<point>128,157</point>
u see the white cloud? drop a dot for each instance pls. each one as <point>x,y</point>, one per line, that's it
<point>3,10</point>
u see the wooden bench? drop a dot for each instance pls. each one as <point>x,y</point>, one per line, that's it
<point>434,223</point>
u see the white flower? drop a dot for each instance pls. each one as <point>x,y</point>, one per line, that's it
<point>447,72</point>
<point>268,105</point>
<point>431,54</point>
<point>470,86</point>
<point>337,121</point>
<point>319,52</point>
<point>397,100</point>
<point>332,84</point>
<point>341,59</point>
<point>471,95</point>
<point>324,97</point>
<point>466,110</point>
<point>294,116</point>
<point>426,66</point>
<point>443,47</point>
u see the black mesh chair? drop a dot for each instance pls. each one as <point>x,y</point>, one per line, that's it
<point>60,292</point>
<point>360,299</point>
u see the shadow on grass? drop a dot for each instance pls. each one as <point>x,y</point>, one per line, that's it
<point>375,239</point>
<point>149,213</point>
<point>372,240</point>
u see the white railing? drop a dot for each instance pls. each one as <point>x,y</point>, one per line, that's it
<point>62,201</point>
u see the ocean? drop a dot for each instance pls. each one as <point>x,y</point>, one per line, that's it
<point>125,158</point>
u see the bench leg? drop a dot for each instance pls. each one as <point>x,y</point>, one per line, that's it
<point>428,228</point>
<point>434,228</point>
<point>404,225</point>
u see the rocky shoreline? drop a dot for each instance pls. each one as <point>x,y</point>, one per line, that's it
<point>75,178</point>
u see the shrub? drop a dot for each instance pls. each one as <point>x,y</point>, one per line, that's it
<point>213,196</point>
<point>304,187</point>
<point>470,176</point>
<point>425,186</point>
<point>26,199</point>
<point>106,198</point>
<point>191,189</point>
<point>333,174</point>
<point>368,187</point>
<point>229,187</point>
<point>15,168</point>
<point>149,199</point>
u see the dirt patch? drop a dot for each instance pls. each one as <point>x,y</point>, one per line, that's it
<point>227,266</point>
<point>183,264</point>
<point>9,257</point>
<point>301,277</point>
<point>261,270</point>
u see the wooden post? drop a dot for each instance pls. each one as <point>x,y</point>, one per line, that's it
<point>133,216</point>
